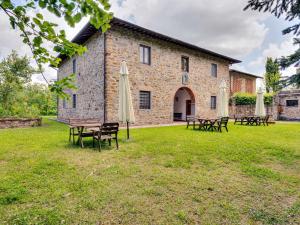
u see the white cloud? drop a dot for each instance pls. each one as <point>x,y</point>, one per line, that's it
<point>275,50</point>
<point>221,26</point>
<point>10,39</point>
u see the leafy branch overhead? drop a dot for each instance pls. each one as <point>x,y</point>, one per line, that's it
<point>39,33</point>
<point>290,10</point>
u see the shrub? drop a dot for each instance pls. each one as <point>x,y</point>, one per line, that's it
<point>268,98</point>
<point>250,99</point>
<point>244,99</point>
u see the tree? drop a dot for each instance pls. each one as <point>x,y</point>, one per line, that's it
<point>18,97</point>
<point>290,9</point>
<point>41,35</point>
<point>272,75</point>
<point>15,71</point>
<point>40,97</point>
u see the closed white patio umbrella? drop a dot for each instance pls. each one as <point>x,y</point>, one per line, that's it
<point>260,106</point>
<point>222,100</point>
<point>126,113</point>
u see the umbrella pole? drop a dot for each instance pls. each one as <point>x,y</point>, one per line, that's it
<point>127,130</point>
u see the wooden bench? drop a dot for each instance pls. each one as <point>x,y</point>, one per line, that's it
<point>108,131</point>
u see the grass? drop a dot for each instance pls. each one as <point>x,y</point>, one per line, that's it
<point>166,175</point>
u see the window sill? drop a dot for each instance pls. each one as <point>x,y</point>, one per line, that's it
<point>147,64</point>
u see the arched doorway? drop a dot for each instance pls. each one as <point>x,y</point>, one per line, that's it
<point>184,104</point>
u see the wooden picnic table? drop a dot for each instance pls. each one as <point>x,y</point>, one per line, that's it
<point>251,120</point>
<point>207,123</point>
<point>81,134</point>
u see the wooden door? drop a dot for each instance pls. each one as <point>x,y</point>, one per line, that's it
<point>188,107</point>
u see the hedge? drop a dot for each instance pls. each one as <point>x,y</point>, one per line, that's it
<point>250,99</point>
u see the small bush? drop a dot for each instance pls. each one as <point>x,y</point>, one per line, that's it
<point>250,99</point>
<point>268,98</point>
<point>244,99</point>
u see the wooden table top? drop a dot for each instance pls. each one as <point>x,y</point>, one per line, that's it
<point>87,124</point>
<point>208,119</point>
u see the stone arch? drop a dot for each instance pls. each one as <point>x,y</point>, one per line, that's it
<point>183,104</point>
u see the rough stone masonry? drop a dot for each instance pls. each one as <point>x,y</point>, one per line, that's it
<point>98,69</point>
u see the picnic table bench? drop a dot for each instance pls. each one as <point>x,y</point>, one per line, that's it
<point>80,128</point>
<point>252,120</point>
<point>93,128</point>
<point>208,124</point>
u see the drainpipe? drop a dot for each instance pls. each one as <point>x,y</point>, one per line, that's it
<point>104,77</point>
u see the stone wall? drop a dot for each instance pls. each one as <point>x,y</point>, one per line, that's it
<point>288,112</point>
<point>89,82</point>
<point>163,77</point>
<point>249,110</point>
<point>19,122</point>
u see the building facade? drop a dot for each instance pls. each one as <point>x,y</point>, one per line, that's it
<point>169,79</point>
<point>287,103</point>
<point>242,82</point>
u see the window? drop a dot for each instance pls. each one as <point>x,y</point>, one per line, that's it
<point>249,86</point>
<point>64,103</point>
<point>145,100</point>
<point>74,101</point>
<point>292,103</point>
<point>74,65</point>
<point>145,54</point>
<point>185,64</point>
<point>214,70</point>
<point>213,102</point>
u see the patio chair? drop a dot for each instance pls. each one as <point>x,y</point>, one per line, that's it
<point>203,124</point>
<point>223,123</point>
<point>108,131</point>
<point>239,119</point>
<point>190,119</point>
<point>264,120</point>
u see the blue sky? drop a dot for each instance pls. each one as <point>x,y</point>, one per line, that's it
<point>221,26</point>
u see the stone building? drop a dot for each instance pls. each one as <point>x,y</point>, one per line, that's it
<point>287,103</point>
<point>169,79</point>
<point>242,82</point>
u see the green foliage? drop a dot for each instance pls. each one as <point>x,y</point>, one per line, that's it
<point>291,11</point>
<point>272,75</point>
<point>39,33</point>
<point>32,101</point>
<point>15,72</point>
<point>244,99</point>
<point>268,98</point>
<point>60,85</point>
<point>293,81</point>
<point>250,99</point>
<point>40,97</point>
<point>18,97</point>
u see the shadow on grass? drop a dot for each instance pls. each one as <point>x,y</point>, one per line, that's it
<point>88,144</point>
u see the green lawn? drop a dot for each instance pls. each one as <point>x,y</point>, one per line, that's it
<point>166,175</point>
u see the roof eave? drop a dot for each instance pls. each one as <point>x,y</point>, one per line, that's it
<point>88,30</point>
<point>245,73</point>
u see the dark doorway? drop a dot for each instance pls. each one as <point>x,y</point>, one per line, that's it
<point>188,107</point>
